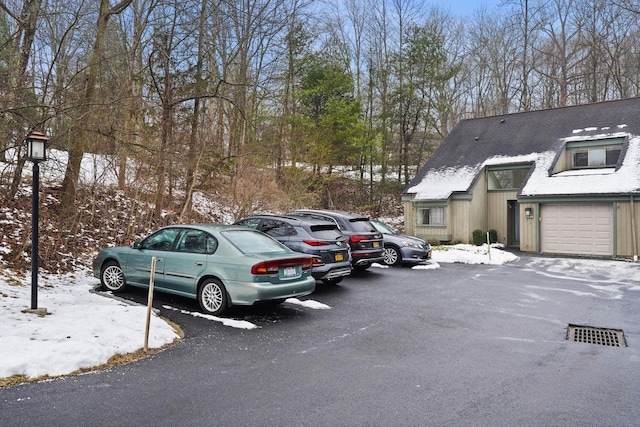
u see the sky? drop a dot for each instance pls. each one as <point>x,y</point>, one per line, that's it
<point>83,329</point>
<point>466,7</point>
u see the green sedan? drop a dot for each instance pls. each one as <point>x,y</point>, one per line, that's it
<point>219,265</point>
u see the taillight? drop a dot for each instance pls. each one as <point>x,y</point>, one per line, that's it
<point>307,263</point>
<point>356,239</point>
<point>317,261</point>
<point>272,267</point>
<point>316,242</point>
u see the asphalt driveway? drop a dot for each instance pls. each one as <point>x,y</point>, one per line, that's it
<point>460,345</point>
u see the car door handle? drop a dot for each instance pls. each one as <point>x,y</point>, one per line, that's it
<point>199,263</point>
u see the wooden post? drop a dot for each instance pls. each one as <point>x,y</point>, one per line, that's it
<point>149,303</point>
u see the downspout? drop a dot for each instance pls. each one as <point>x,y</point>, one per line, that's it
<point>634,240</point>
<point>486,199</point>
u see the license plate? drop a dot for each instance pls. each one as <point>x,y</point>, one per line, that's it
<point>376,244</point>
<point>339,257</point>
<point>289,272</point>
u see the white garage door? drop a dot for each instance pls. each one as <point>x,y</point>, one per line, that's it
<point>584,229</point>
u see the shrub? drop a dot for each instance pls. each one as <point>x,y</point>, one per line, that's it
<point>434,242</point>
<point>493,236</point>
<point>478,237</point>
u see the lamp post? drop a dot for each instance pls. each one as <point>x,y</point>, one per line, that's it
<point>36,153</point>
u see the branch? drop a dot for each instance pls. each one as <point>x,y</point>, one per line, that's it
<point>115,10</point>
<point>11,14</point>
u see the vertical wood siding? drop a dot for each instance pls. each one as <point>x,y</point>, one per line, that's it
<point>529,228</point>
<point>497,212</point>
<point>624,235</point>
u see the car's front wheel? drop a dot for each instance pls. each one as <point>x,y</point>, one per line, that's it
<point>212,297</point>
<point>392,256</point>
<point>111,277</point>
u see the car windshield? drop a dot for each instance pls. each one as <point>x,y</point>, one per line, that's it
<point>361,225</point>
<point>383,228</point>
<point>252,242</point>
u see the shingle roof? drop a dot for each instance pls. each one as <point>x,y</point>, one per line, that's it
<point>536,136</point>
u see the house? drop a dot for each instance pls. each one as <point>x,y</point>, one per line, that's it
<point>558,181</point>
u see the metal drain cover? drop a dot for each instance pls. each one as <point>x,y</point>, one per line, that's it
<point>599,336</point>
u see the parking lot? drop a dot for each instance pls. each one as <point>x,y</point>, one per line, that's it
<point>458,345</point>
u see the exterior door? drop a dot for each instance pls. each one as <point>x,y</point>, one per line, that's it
<point>186,263</point>
<point>513,223</point>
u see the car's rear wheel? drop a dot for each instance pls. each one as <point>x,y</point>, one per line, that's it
<point>212,297</point>
<point>392,256</point>
<point>333,281</point>
<point>111,277</point>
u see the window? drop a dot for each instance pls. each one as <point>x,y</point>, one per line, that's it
<point>595,157</point>
<point>162,240</point>
<point>595,154</point>
<point>194,241</point>
<point>252,242</point>
<point>250,222</point>
<point>432,216</point>
<point>506,179</point>
<point>277,228</point>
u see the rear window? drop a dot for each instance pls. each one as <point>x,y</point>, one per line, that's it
<point>252,242</point>
<point>329,231</point>
<point>362,225</point>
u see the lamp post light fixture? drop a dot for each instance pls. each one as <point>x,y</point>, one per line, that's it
<point>36,153</point>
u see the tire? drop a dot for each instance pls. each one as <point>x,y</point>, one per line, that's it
<point>392,256</point>
<point>212,297</point>
<point>362,267</point>
<point>112,278</point>
<point>333,281</point>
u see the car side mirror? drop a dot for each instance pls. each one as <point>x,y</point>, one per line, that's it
<point>136,245</point>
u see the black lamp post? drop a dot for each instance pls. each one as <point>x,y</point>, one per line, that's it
<point>36,153</point>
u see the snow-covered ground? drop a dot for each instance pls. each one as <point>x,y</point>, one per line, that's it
<point>84,329</point>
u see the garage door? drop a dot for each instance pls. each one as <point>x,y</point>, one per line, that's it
<point>583,229</point>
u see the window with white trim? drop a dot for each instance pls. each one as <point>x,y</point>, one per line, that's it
<point>595,154</point>
<point>432,216</point>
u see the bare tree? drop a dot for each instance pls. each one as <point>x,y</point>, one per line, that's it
<point>70,182</point>
<point>14,91</point>
<point>562,26</point>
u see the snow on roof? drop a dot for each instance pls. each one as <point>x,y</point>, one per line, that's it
<point>587,181</point>
<point>439,184</point>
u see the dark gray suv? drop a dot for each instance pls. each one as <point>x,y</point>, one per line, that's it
<point>322,239</point>
<point>364,239</point>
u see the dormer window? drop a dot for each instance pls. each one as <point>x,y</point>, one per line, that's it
<point>595,154</point>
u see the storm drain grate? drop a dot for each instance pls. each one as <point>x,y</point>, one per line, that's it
<point>599,336</point>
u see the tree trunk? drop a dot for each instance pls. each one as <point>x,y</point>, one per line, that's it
<point>70,182</point>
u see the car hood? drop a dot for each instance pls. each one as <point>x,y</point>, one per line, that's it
<point>405,237</point>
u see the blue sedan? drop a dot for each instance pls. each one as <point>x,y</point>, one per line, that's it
<point>219,265</point>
